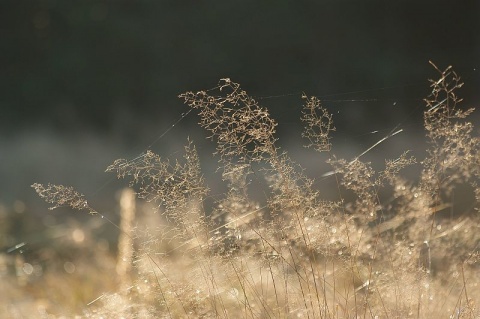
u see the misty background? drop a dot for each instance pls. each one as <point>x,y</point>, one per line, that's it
<point>83,83</point>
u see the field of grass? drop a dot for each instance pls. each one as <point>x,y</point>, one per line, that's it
<point>271,246</point>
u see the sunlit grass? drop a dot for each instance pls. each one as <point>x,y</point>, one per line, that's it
<point>385,247</point>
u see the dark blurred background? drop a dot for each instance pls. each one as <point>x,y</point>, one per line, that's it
<point>85,82</point>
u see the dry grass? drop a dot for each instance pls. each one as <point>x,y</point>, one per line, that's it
<point>391,252</point>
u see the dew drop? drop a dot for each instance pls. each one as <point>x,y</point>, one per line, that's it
<point>27,268</point>
<point>69,267</point>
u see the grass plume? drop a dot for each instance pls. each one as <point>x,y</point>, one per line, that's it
<point>387,252</point>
